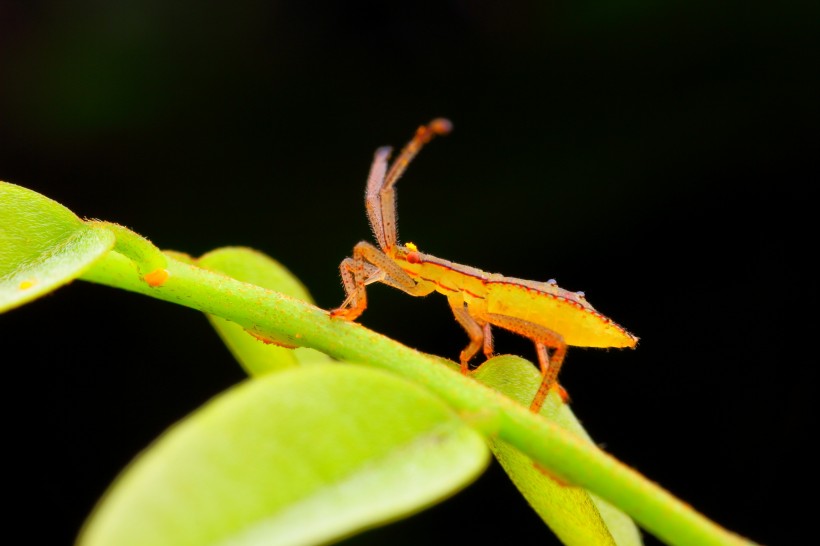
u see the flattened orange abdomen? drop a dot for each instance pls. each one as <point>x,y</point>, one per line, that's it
<point>574,319</point>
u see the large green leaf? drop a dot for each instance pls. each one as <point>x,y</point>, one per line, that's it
<point>304,456</point>
<point>576,516</point>
<point>252,266</point>
<point>43,245</point>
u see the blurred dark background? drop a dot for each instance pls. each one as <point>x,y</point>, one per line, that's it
<point>656,155</point>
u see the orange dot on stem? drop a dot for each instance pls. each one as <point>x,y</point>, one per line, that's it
<point>157,277</point>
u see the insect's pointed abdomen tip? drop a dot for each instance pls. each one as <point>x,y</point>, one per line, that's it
<point>441,126</point>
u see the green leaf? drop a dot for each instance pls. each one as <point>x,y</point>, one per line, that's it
<point>249,265</point>
<point>304,456</point>
<point>576,516</point>
<point>43,245</point>
<point>255,355</point>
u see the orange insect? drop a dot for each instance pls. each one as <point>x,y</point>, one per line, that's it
<point>553,318</point>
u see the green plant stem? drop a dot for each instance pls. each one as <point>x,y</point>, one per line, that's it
<point>295,323</point>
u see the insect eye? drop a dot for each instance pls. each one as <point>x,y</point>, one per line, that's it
<point>580,294</point>
<point>552,281</point>
<point>413,258</point>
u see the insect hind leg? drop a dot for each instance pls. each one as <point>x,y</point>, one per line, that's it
<point>544,339</point>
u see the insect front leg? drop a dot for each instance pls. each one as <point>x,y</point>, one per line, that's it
<point>368,265</point>
<point>544,339</point>
<point>354,276</point>
<point>380,196</point>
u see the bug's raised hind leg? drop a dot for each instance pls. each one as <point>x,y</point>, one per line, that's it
<point>544,339</point>
<point>369,264</point>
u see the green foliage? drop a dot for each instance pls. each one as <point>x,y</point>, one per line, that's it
<point>252,468</point>
<point>311,448</point>
<point>575,515</point>
<point>248,265</point>
<point>43,245</point>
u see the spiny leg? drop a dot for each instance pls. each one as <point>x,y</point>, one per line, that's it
<point>476,331</point>
<point>352,279</point>
<point>380,199</point>
<point>544,339</point>
<point>369,264</point>
<point>372,198</point>
<point>550,375</point>
<point>488,341</point>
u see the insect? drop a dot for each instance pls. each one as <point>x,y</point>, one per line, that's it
<point>553,318</point>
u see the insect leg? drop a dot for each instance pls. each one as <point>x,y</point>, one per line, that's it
<point>390,273</point>
<point>475,330</point>
<point>373,198</point>
<point>544,339</point>
<point>351,281</point>
<point>550,376</point>
<point>353,278</point>
<point>488,341</point>
<point>387,193</point>
<point>368,265</point>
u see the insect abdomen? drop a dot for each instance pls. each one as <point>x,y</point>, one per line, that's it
<point>572,317</point>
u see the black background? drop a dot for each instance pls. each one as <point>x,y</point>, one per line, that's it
<point>656,155</point>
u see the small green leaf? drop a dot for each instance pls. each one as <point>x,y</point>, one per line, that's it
<point>252,266</point>
<point>43,245</point>
<point>576,516</point>
<point>249,265</point>
<point>304,456</point>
